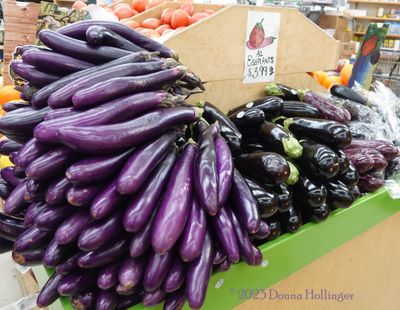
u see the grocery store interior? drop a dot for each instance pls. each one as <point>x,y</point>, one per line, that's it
<point>199,154</point>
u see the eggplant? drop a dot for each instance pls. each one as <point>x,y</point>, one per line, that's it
<point>5,190</point>
<point>318,160</point>
<point>361,162</point>
<point>224,266</point>
<point>355,190</point>
<point>55,254</point>
<point>108,276</point>
<point>270,105</point>
<point>196,130</point>
<point>339,195</point>
<point>57,191</point>
<point>68,265</point>
<point>262,232</point>
<point>309,192</point>
<point>347,94</point>
<point>120,86</point>
<point>6,236</point>
<point>274,228</point>
<point>125,302</point>
<point>11,225</point>
<point>131,271</point>
<point>50,218</point>
<point>285,197</point>
<point>299,109</point>
<point>323,131</point>
<point>124,291</point>
<point>387,149</point>
<point>154,297</point>
<point>14,105</point>
<point>32,211</point>
<point>369,183</point>
<point>70,230</point>
<point>175,205</point>
<point>61,112</point>
<point>282,91</point>
<point>106,201</point>
<point>22,121</point>
<point>145,201</point>
<point>291,219</point>
<point>121,136</point>
<point>344,162</point>
<point>192,238</point>
<point>267,167</point>
<point>219,256</point>
<point>28,91</point>
<point>319,214</point>
<point>141,241</point>
<point>156,270</point>
<point>106,300</point>
<point>82,196</point>
<point>248,119</point>
<point>32,75</point>
<point>34,187</point>
<point>380,161</point>
<point>294,174</point>
<point>83,301</point>
<point>29,259</point>
<point>8,146</point>
<point>15,201</point>
<point>76,282</point>
<point>175,300</point>
<point>49,293</point>
<point>278,139</point>
<point>5,245</point>
<point>29,152</point>
<point>350,177</point>
<point>245,203</point>
<point>175,277</point>
<point>224,168</point>
<point>30,239</point>
<point>252,146</point>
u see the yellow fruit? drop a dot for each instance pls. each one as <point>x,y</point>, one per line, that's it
<point>8,93</point>
<point>320,76</point>
<point>332,80</point>
<point>345,74</point>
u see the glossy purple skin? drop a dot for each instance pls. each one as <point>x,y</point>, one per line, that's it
<point>31,150</point>
<point>68,265</point>
<point>50,164</point>
<point>175,206</point>
<point>5,190</point>
<point>51,218</point>
<point>82,196</point>
<point>8,146</point>
<point>57,191</point>
<point>142,162</point>
<point>225,231</point>
<point>54,254</point>
<point>112,138</point>
<point>176,276</point>
<point>205,173</point>
<point>154,297</point>
<point>224,266</point>
<point>11,225</point>
<point>257,256</point>
<point>34,187</point>
<point>76,283</point>
<point>156,270</point>
<point>219,256</point>
<point>107,201</point>
<point>245,203</point>
<point>32,258</point>
<point>99,233</point>
<point>70,230</point>
<point>62,112</point>
<point>83,301</point>
<point>49,294</point>
<point>198,274</point>
<point>192,238</point>
<point>32,75</point>
<point>124,291</point>
<point>125,302</point>
<point>106,300</point>
<point>141,241</point>
<point>224,168</point>
<point>63,96</point>
<point>8,176</point>
<point>144,202</point>
<point>263,231</point>
<point>175,301</point>
<point>387,149</point>
<point>96,168</point>
<point>32,211</point>
<point>131,271</point>
<point>15,202</point>
<point>32,238</point>
<point>104,255</point>
<point>108,276</point>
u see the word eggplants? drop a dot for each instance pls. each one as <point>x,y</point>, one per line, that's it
<point>132,195</point>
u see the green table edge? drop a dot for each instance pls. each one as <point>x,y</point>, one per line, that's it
<point>290,252</point>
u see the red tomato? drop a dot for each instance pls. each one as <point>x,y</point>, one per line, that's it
<point>198,16</point>
<point>161,28</point>
<point>123,11</point>
<point>131,23</point>
<point>139,5</point>
<point>208,11</point>
<point>79,5</point>
<point>151,23</point>
<point>180,19</point>
<point>151,33</point>
<point>188,8</point>
<point>167,15</point>
<point>152,3</point>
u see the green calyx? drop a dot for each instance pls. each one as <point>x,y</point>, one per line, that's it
<point>293,175</point>
<point>272,89</point>
<point>287,122</point>
<point>292,147</point>
<point>259,25</point>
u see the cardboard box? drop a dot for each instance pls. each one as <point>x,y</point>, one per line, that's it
<point>339,23</point>
<point>342,36</point>
<point>346,49</point>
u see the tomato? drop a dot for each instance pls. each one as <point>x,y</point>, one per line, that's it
<point>79,5</point>
<point>161,28</point>
<point>198,16</point>
<point>180,19</point>
<point>123,11</point>
<point>208,11</point>
<point>167,15</point>
<point>180,28</point>
<point>139,5</point>
<point>152,3</point>
<point>151,23</point>
<point>188,8</point>
<point>151,33</point>
<point>167,31</point>
<point>131,23</point>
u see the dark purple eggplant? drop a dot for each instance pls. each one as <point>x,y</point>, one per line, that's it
<point>380,161</point>
<point>252,146</point>
<point>106,300</point>
<point>386,148</point>
<point>9,146</point>
<point>154,297</point>
<point>125,302</point>
<point>15,202</point>
<point>224,266</point>
<point>82,196</point>
<point>30,239</point>
<point>7,236</point>
<point>175,206</point>
<point>111,138</point>
<point>291,220</point>
<point>32,211</point>
<point>361,162</point>
<point>124,291</point>
<point>51,218</point>
<point>309,192</point>
<point>83,301</point>
<point>14,105</point>
<point>32,258</point>
<point>197,129</point>
<point>12,157</point>
<point>141,241</point>
<point>248,119</point>
<point>108,276</point>
<point>70,230</point>
<point>355,190</point>
<point>76,282</point>
<point>5,190</point>
<point>299,109</point>
<point>21,122</point>
<point>156,270</point>
<point>344,162</point>
<point>11,225</point>
<point>274,228</point>
<point>319,214</point>
<point>339,195</point>
<point>350,177</point>
<point>175,300</point>
<point>262,232</point>
<point>49,293</point>
<point>68,265</point>
<point>131,271</point>
<point>270,105</point>
<point>32,150</point>
<point>285,197</point>
<point>224,168</point>
<point>267,167</point>
<point>176,276</point>
<point>369,183</point>
<point>55,254</point>
<point>31,74</point>
<point>5,245</point>
<point>347,94</point>
<point>219,256</point>
<point>282,91</point>
<point>34,187</point>
<point>145,201</point>
<point>57,191</point>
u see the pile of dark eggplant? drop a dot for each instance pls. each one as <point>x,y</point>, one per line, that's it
<point>116,183</point>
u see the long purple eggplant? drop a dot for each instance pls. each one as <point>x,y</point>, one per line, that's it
<point>32,150</point>
<point>205,172</point>
<point>68,265</point>
<point>198,274</point>
<point>156,270</point>
<point>56,63</point>
<point>34,187</point>
<point>245,203</point>
<point>21,122</point>
<point>175,206</point>
<point>50,218</point>
<point>131,271</point>
<point>262,232</point>
<point>57,190</point>
<point>154,297</point>
<point>192,238</point>
<point>15,202</point>
<point>99,233</point>
<point>106,300</point>
<point>55,254</point>
<point>82,196</point>
<point>6,236</point>
<point>32,211</point>
<point>63,96</point>
<point>5,190</point>
<point>50,164</point>
<point>14,105</point>
<point>175,301</point>
<point>141,241</point>
<point>31,74</point>
<point>125,302</point>
<point>122,86</point>
<point>106,201</point>
<point>83,301</point>
<point>176,276</point>
<point>77,282</point>
<point>70,230</point>
<point>49,293</point>
<point>78,30</point>
<point>8,176</point>
<point>61,112</point>
<point>39,99</point>
<point>387,149</point>
<point>32,238</point>
<point>108,276</point>
<point>11,225</point>
<point>145,201</point>
<point>32,258</point>
<point>103,255</point>
<point>140,165</point>
<point>9,146</point>
<point>224,168</point>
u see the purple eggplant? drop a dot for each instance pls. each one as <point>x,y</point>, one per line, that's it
<point>175,301</point>
<point>219,256</point>
<point>175,206</point>
<point>61,112</point>
<point>156,270</point>
<point>15,202</point>
<point>267,200</point>
<point>224,168</point>
<point>257,256</point>
<point>32,75</point>
<point>49,293</point>
<point>339,195</point>
<point>131,271</point>
<point>50,218</point>
<point>57,191</point>
<point>9,146</point>
<point>198,274</point>
<point>245,203</point>
<point>111,138</point>
<point>262,232</point>
<point>82,196</point>
<point>11,225</point>
<point>32,258</point>
<point>176,276</point>
<point>5,190</point>
<point>145,201</point>
<point>380,161</point>
<point>70,230</point>
<point>12,157</point>
<point>32,150</point>
<point>154,297</point>
<point>34,187</point>
<point>108,276</point>
<point>106,201</point>
<point>370,183</point>
<point>99,233</point>
<point>68,265</point>
<point>19,124</point>
<point>55,254</point>
<point>6,246</point>
<point>32,238</point>
<point>121,86</point>
<point>76,282</point>
<point>14,105</point>
<point>32,211</point>
<point>106,300</point>
<point>125,302</point>
<point>83,301</point>
<point>141,241</point>
<point>193,235</point>
<point>385,148</point>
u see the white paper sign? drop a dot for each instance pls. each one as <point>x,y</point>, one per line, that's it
<point>261,46</point>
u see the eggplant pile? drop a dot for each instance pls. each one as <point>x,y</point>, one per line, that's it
<point>118,183</point>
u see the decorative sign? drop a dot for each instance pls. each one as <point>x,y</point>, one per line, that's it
<point>261,46</point>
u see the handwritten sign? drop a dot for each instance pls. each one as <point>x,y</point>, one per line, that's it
<point>261,46</point>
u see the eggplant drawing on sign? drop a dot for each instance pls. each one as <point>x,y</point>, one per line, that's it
<point>257,37</point>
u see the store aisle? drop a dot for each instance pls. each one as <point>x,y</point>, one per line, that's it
<point>10,291</point>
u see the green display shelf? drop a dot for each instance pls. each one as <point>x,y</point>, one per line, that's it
<point>290,252</point>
